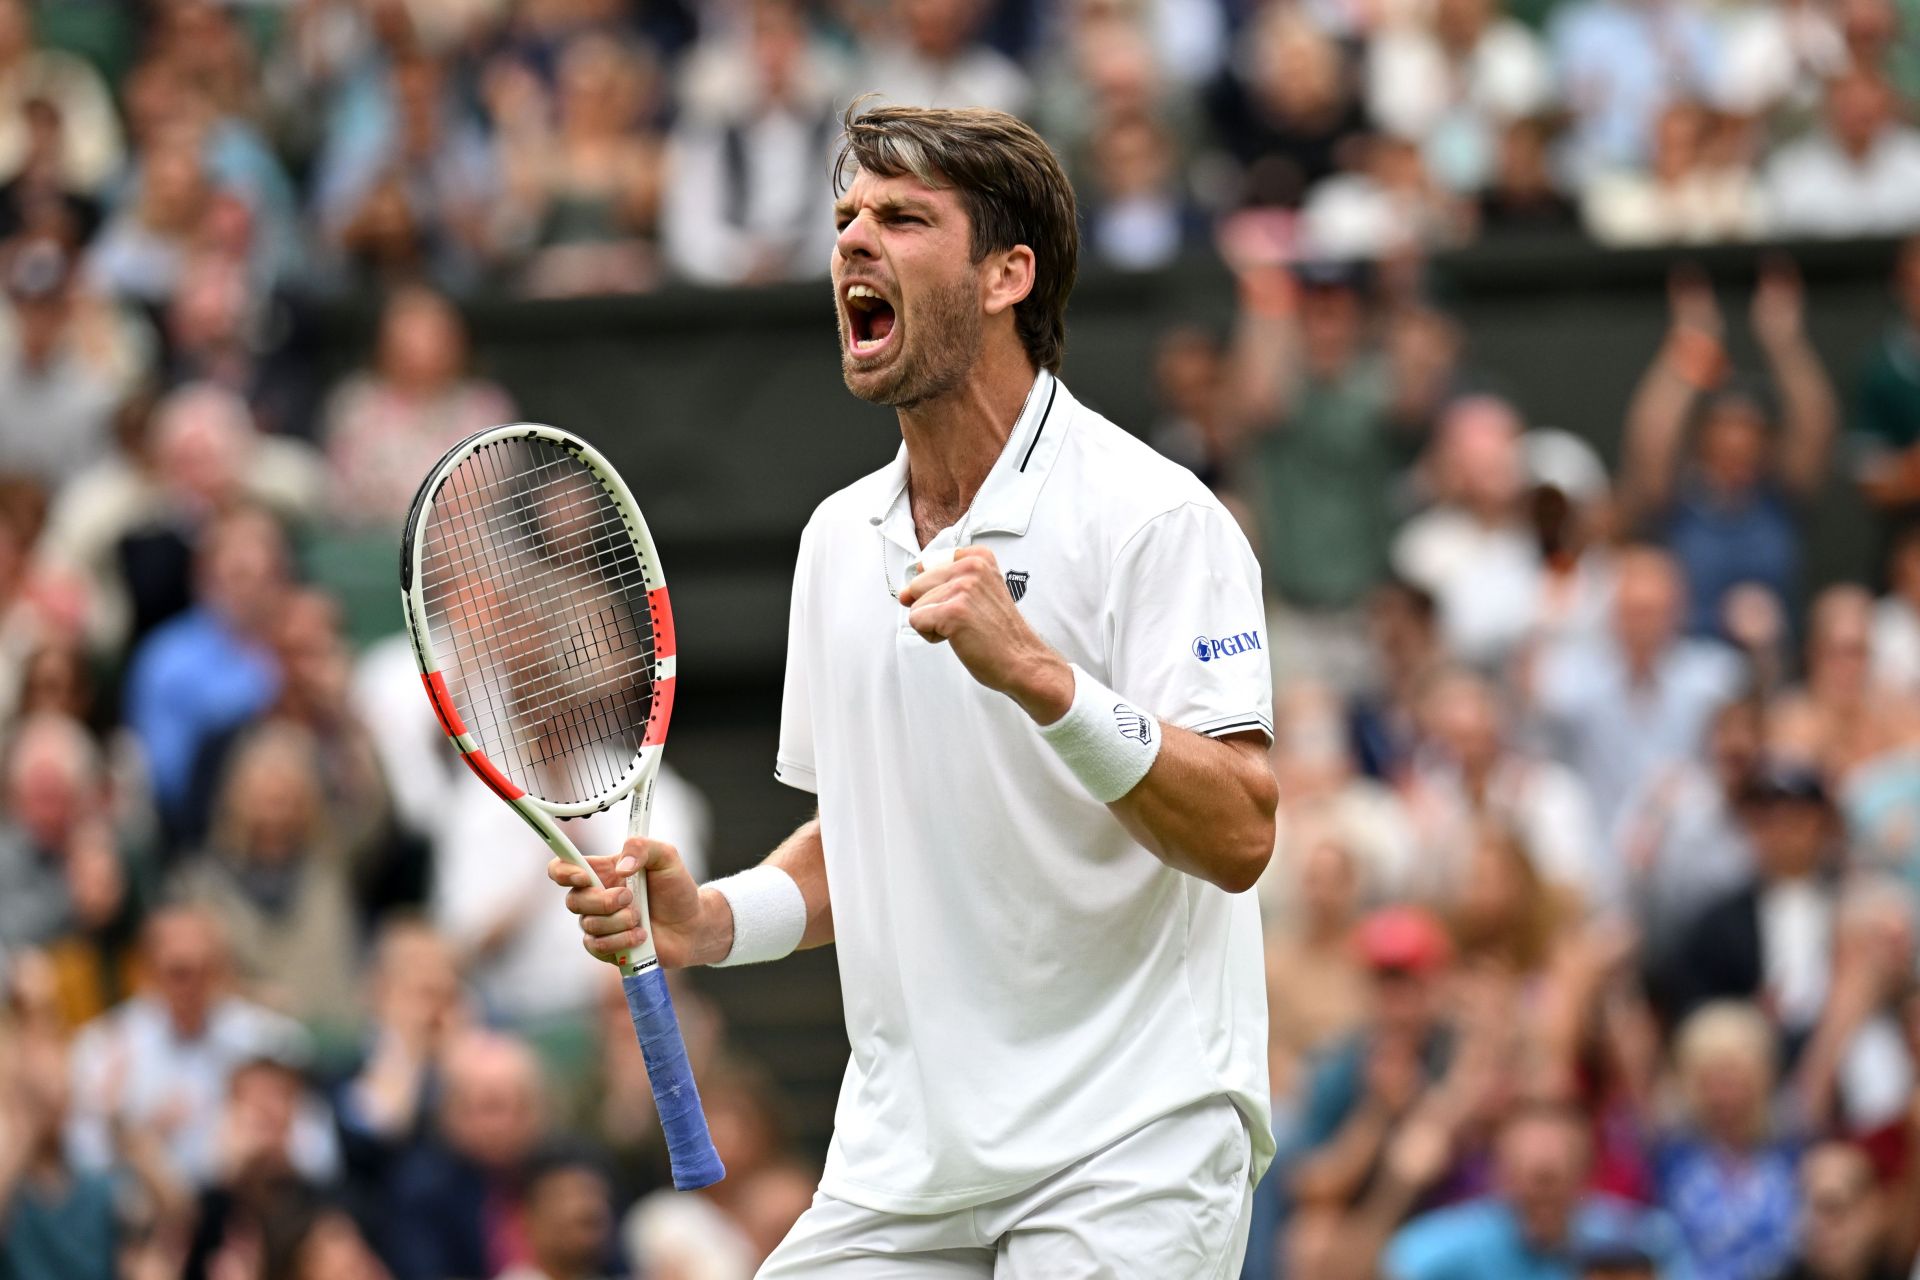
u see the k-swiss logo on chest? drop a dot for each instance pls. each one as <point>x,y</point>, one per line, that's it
<point>1017,584</point>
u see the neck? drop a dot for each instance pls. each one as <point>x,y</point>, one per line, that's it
<point>954,440</point>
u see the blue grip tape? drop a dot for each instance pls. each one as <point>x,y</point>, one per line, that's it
<point>695,1163</point>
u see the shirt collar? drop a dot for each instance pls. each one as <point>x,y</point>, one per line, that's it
<point>1006,499</point>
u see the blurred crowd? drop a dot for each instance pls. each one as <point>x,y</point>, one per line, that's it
<point>1592,925</point>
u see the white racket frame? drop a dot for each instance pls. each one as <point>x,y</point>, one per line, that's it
<point>640,775</point>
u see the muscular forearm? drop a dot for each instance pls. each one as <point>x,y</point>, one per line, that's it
<point>1206,807</point>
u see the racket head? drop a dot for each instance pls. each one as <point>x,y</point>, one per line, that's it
<point>539,617</point>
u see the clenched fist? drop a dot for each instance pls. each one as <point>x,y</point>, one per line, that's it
<point>966,605</point>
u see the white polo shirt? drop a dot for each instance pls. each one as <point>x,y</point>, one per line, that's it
<point>1023,983</point>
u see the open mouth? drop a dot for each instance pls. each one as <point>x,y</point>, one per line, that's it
<point>870,320</point>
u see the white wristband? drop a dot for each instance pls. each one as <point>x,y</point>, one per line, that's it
<point>1107,741</point>
<point>769,915</point>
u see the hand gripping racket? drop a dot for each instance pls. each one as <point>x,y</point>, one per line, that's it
<point>539,618</point>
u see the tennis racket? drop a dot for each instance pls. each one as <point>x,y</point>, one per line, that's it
<point>540,621</point>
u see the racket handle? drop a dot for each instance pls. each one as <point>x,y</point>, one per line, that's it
<point>689,1146</point>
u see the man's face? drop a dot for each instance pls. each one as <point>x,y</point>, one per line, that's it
<point>1542,1165</point>
<point>907,290</point>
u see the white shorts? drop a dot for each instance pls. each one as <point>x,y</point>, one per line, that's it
<point>1170,1201</point>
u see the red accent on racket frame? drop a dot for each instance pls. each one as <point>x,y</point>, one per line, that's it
<point>492,776</point>
<point>443,704</point>
<point>663,640</point>
<point>661,713</point>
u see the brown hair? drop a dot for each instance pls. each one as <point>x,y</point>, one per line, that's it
<point>1009,182</point>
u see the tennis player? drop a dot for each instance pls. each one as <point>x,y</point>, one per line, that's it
<point>1040,764</point>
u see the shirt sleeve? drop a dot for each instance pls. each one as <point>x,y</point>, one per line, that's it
<point>1186,626</point>
<point>793,764</point>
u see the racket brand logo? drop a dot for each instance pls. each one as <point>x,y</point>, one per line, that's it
<point>1132,724</point>
<point>1017,584</point>
<point>1207,648</point>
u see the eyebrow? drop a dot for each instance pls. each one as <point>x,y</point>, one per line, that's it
<point>887,207</point>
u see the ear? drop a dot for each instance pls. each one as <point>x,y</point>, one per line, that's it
<point>1006,278</point>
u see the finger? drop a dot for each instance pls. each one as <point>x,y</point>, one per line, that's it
<point>928,580</point>
<point>612,948</point>
<point>599,902</point>
<point>567,875</point>
<point>934,622</point>
<point>979,553</point>
<point>606,926</point>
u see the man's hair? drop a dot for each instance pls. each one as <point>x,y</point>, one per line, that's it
<point>1010,183</point>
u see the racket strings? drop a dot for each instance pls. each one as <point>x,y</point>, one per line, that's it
<point>537,594</point>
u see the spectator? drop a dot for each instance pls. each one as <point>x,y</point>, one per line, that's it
<point>57,1222</point>
<point>1473,549</point>
<point>1504,914</point>
<point>1403,624</point>
<point>1539,1217</point>
<point>67,360</point>
<point>1858,176</point>
<point>274,875</point>
<point>65,885</point>
<point>1521,197</point>
<point>1896,619</point>
<point>591,189</point>
<point>1684,196</point>
<point>256,1170</point>
<point>1450,83</point>
<point>1619,63</point>
<point>1190,374</point>
<point>931,58</point>
<point>1682,840</point>
<point>1770,939</point>
<point>1725,1177</point>
<point>141,251</point>
<point>165,1056</point>
<point>1624,707</point>
<point>1384,206</point>
<point>212,668</point>
<point>1316,988</point>
<point>40,198</point>
<point>1778,56</point>
<point>423,142</point>
<point>1469,776</point>
<point>126,525</point>
<point>1885,419</point>
<point>1728,512</point>
<point>1840,719</point>
<point>1328,416</point>
<point>316,1241</point>
<point>745,205</point>
<point>1843,1221</point>
<point>569,1220</point>
<point>385,427</point>
<point>1326,797</point>
<point>1366,1085</point>
<point>454,1207</point>
<point>1285,109</point>
<point>1138,214</point>
<point>90,151</point>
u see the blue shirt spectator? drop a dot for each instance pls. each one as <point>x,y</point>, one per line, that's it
<point>1620,62</point>
<point>1621,710</point>
<point>1484,1240</point>
<point>1541,1220</point>
<point>210,670</point>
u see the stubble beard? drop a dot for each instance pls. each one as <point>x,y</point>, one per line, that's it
<point>924,369</point>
